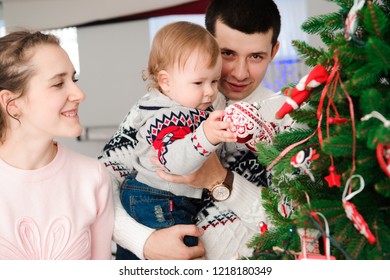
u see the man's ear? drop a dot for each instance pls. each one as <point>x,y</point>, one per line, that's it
<point>275,49</point>
<point>163,80</point>
<point>8,102</point>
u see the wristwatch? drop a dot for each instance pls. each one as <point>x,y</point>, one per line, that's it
<point>222,191</point>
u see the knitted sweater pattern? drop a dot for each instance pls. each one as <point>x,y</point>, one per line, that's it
<point>226,234</point>
<point>176,133</point>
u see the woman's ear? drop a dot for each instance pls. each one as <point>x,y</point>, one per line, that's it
<point>8,102</point>
<point>163,80</point>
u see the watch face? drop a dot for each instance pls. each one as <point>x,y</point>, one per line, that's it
<point>221,193</point>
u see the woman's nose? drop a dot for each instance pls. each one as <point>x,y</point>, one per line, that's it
<point>76,95</point>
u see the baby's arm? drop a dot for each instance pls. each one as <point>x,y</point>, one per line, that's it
<point>181,151</point>
<point>183,146</point>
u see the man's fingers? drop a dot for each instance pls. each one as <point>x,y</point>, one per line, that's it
<point>194,252</point>
<point>198,252</point>
<point>178,179</point>
<point>190,230</point>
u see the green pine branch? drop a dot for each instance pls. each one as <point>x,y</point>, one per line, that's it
<point>360,88</point>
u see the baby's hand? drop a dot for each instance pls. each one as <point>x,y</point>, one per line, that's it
<point>215,128</point>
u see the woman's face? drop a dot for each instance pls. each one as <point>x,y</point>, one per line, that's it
<point>49,106</point>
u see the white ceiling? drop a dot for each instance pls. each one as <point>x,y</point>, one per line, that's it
<point>50,14</point>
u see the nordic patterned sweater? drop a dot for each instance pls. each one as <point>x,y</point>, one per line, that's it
<point>176,134</point>
<point>228,225</point>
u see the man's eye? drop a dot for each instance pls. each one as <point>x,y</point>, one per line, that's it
<point>257,56</point>
<point>225,53</point>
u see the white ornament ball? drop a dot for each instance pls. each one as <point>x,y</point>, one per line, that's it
<point>246,119</point>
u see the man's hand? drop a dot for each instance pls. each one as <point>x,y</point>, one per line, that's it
<point>211,172</point>
<point>167,244</point>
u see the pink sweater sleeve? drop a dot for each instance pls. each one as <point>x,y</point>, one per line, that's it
<point>102,229</point>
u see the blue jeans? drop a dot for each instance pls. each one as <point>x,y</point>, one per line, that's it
<point>157,208</point>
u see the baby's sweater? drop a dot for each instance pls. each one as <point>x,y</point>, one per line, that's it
<point>175,135</point>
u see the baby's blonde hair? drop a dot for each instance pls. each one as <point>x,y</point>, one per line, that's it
<point>174,43</point>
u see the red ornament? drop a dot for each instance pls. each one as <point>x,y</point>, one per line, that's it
<point>265,134</point>
<point>310,246</point>
<point>383,156</point>
<point>246,119</point>
<point>333,178</point>
<point>303,159</point>
<point>337,120</point>
<point>309,242</point>
<point>351,21</point>
<point>352,213</point>
<point>358,221</point>
<point>285,207</point>
<point>263,227</point>
<point>297,95</point>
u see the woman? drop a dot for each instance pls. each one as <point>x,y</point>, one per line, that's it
<point>54,203</point>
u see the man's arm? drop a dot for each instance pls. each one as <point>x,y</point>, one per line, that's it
<point>245,199</point>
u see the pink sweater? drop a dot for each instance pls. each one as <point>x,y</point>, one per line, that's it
<point>61,211</point>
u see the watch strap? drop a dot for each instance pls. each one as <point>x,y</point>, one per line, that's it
<point>229,180</point>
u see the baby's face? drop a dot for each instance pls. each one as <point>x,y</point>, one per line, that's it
<point>194,85</point>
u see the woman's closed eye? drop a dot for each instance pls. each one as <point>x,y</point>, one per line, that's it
<point>58,85</point>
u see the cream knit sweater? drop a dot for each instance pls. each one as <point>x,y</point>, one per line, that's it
<point>228,225</point>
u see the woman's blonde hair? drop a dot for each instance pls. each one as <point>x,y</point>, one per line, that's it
<point>174,43</point>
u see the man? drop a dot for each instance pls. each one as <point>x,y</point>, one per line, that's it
<point>247,32</point>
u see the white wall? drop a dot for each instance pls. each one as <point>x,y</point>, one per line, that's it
<point>316,8</point>
<point>112,58</point>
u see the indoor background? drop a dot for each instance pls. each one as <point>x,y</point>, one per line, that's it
<point>108,42</point>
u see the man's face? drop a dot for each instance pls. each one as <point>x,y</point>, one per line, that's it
<point>245,59</point>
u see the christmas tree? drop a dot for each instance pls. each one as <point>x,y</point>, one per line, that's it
<point>332,173</point>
